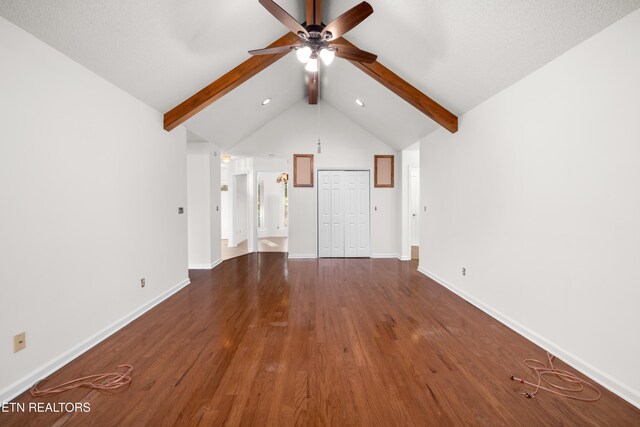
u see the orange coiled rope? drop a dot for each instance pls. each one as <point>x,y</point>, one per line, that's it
<point>571,385</point>
<point>106,381</point>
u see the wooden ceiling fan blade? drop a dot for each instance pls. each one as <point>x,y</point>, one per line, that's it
<point>348,20</point>
<point>274,50</point>
<point>352,53</point>
<point>314,86</point>
<point>281,15</point>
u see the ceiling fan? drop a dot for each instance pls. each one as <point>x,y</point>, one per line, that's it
<point>313,41</point>
<point>315,37</point>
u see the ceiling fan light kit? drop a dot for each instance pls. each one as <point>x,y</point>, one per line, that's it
<point>312,65</point>
<point>327,56</point>
<point>303,54</point>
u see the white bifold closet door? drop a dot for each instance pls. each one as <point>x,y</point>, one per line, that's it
<point>343,214</point>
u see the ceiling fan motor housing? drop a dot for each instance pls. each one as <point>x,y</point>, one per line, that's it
<point>316,39</point>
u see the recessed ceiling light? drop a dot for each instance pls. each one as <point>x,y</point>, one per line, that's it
<point>266,101</point>
<point>359,102</point>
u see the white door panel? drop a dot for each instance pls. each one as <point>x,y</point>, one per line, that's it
<point>351,214</point>
<point>324,214</point>
<point>343,214</point>
<point>337,215</point>
<point>364,249</point>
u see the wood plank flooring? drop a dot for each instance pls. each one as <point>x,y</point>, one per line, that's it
<point>262,340</point>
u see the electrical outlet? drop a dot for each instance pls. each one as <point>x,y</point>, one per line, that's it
<point>142,282</point>
<point>464,271</point>
<point>19,342</point>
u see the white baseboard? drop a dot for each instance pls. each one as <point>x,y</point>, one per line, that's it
<point>205,266</point>
<point>376,256</point>
<point>12,391</point>
<point>627,393</point>
<point>266,236</point>
<point>404,258</point>
<point>302,256</point>
<point>199,266</point>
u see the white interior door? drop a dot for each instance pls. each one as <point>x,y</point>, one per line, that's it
<point>364,231</point>
<point>324,214</point>
<point>337,214</point>
<point>351,214</point>
<point>343,214</point>
<point>414,206</point>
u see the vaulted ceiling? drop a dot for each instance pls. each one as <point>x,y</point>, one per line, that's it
<point>459,52</point>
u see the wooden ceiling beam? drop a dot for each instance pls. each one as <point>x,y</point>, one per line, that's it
<point>255,64</point>
<point>314,12</point>
<point>406,91</point>
<point>314,86</point>
<point>225,84</point>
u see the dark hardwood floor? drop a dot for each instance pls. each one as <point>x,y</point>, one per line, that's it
<point>265,341</point>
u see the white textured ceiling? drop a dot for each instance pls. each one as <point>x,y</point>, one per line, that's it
<point>240,113</point>
<point>459,52</point>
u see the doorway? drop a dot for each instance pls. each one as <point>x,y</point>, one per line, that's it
<point>272,211</point>
<point>235,216</point>
<point>414,212</point>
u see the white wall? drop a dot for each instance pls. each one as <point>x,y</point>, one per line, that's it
<point>345,145</point>
<point>91,185</point>
<point>271,164</point>
<point>215,208</point>
<point>538,197</point>
<point>204,215</point>
<point>198,208</point>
